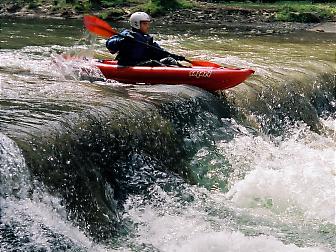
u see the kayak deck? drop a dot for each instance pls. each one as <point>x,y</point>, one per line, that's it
<point>208,78</point>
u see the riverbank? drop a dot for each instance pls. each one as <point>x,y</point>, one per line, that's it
<point>247,17</point>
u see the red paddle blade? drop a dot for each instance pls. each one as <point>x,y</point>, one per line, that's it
<point>204,63</point>
<point>98,26</point>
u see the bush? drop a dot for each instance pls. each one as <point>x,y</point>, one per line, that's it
<point>155,7</point>
<point>304,17</point>
<point>166,4</point>
<point>271,1</point>
<point>32,5</point>
<point>304,13</point>
<point>112,13</point>
<point>112,3</point>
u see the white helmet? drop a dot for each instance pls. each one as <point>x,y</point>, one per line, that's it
<point>137,17</point>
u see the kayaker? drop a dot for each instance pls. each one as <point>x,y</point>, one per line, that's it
<point>136,46</point>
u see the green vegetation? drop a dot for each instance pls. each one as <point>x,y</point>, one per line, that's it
<point>305,12</point>
<point>292,11</point>
<point>107,7</point>
<point>272,1</point>
<point>156,7</point>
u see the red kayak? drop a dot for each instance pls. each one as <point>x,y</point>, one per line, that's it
<point>208,78</point>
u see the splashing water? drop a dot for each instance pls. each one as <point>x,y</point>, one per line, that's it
<point>14,175</point>
<point>296,175</point>
<point>252,192</point>
<point>282,184</point>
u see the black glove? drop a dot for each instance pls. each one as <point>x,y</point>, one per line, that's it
<point>151,41</point>
<point>177,57</point>
<point>129,37</point>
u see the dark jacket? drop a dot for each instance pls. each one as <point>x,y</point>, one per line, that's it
<point>130,52</point>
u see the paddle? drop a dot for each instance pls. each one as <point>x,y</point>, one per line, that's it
<point>102,28</point>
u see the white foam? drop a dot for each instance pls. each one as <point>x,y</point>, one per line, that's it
<point>162,229</point>
<point>330,123</point>
<point>237,242</point>
<point>170,226</point>
<point>296,175</point>
<point>37,217</point>
<point>22,60</point>
<point>39,60</point>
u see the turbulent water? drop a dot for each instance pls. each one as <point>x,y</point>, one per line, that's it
<point>90,165</point>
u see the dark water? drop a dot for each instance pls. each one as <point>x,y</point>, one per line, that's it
<point>88,165</point>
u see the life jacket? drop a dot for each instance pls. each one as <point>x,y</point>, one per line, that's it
<point>130,52</point>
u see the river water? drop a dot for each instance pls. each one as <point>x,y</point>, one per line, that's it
<point>89,165</point>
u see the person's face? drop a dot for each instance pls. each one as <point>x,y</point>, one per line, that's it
<point>144,26</point>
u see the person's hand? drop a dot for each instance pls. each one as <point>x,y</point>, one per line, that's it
<point>151,41</point>
<point>129,37</point>
<point>177,57</point>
